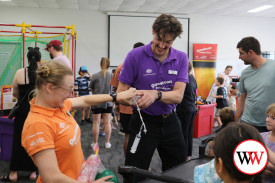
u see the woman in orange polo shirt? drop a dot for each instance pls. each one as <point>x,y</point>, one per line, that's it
<point>51,136</point>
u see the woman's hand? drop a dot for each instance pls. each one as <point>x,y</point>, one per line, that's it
<point>126,97</point>
<point>102,180</point>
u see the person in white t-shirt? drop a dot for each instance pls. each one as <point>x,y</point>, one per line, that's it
<point>232,99</point>
<point>226,77</point>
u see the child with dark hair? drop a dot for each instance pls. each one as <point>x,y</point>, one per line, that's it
<point>225,143</point>
<point>226,115</point>
<point>222,167</point>
<point>221,98</point>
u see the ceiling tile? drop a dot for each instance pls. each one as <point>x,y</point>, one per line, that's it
<point>23,1</point>
<point>133,3</point>
<point>214,7</point>
<point>8,4</point>
<point>111,2</point>
<point>88,7</point>
<point>186,7</point>
<point>130,8</point>
<point>48,5</point>
<point>95,2</point>
<point>45,1</point>
<point>108,8</point>
<point>67,1</point>
<point>170,7</point>
<point>84,1</point>
<point>147,9</point>
<point>192,6</point>
<point>68,6</point>
<point>27,4</point>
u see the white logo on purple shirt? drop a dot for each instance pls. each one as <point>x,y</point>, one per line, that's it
<point>148,71</point>
<point>161,85</point>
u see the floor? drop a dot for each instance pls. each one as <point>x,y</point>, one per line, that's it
<point>111,158</point>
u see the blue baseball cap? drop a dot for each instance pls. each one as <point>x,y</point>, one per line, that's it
<point>83,68</point>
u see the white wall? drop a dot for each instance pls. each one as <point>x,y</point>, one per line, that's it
<point>92,30</point>
<point>91,27</point>
<point>139,29</point>
<point>227,32</point>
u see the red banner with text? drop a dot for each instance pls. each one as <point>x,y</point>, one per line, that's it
<point>204,62</point>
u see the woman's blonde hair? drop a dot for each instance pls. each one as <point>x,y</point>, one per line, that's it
<point>105,64</point>
<point>271,110</point>
<point>52,72</point>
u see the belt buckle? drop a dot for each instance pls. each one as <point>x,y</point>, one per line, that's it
<point>165,115</point>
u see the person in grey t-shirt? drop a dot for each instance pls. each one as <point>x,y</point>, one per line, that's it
<point>100,84</point>
<point>256,85</point>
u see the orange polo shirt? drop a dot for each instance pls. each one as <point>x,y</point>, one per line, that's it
<point>47,128</point>
<point>114,82</point>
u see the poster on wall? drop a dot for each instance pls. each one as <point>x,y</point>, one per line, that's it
<point>204,62</point>
<point>6,97</point>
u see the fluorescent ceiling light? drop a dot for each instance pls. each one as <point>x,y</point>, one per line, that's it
<point>261,8</point>
<point>5,0</point>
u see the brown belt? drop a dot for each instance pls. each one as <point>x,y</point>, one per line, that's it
<point>158,116</point>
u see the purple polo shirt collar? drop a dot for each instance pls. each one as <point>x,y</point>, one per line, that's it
<point>171,56</point>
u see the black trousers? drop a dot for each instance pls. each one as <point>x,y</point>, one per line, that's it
<point>163,134</point>
<point>187,123</point>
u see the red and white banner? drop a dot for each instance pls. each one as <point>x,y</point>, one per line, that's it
<point>204,62</point>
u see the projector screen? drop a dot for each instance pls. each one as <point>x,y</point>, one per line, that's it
<point>125,31</point>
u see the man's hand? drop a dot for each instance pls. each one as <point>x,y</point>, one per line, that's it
<point>126,97</point>
<point>147,98</point>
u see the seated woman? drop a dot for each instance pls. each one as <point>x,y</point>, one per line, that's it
<point>51,135</point>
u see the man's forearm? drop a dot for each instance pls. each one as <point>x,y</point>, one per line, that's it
<point>171,97</point>
<point>175,96</point>
<point>240,107</point>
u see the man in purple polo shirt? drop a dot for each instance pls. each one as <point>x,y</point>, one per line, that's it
<point>160,73</point>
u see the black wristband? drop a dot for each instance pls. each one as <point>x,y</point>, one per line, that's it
<point>113,95</point>
<point>159,95</point>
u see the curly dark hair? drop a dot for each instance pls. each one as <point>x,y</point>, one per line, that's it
<point>167,24</point>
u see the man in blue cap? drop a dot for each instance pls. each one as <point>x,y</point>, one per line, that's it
<point>82,84</point>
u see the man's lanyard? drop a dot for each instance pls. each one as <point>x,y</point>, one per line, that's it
<point>138,136</point>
